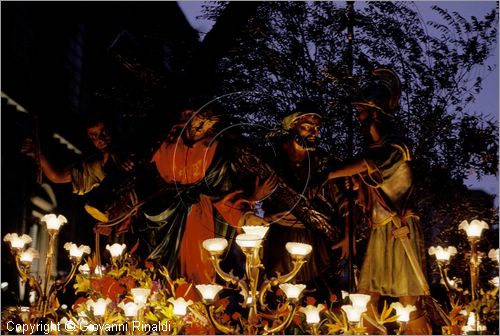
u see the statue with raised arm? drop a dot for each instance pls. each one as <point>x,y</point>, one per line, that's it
<point>394,260</point>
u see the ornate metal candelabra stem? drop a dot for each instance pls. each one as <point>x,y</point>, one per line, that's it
<point>474,266</point>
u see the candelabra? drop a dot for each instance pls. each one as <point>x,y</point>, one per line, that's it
<point>473,230</point>
<point>24,258</point>
<point>254,295</point>
<point>356,311</point>
<point>443,256</point>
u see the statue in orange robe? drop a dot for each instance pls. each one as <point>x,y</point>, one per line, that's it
<point>196,169</point>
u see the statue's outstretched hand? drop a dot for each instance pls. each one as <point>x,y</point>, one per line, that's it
<point>265,188</point>
<point>344,246</point>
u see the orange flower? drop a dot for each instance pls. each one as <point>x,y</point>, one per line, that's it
<point>333,297</point>
<point>225,318</point>
<point>111,288</point>
<point>224,302</point>
<point>310,301</point>
<point>297,320</point>
<point>128,282</point>
<point>79,301</point>
<point>236,316</point>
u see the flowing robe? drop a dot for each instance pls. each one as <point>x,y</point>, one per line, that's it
<point>387,192</point>
<point>199,176</point>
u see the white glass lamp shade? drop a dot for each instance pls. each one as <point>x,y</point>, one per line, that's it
<point>84,269</point>
<point>259,230</point>
<point>180,305</point>
<point>17,242</point>
<point>494,254</point>
<point>140,295</point>
<point>359,300</point>
<point>353,313</point>
<point>403,312</point>
<point>298,249</point>
<point>98,306</point>
<point>494,281</point>
<point>99,270</point>
<point>76,251</point>
<point>344,294</point>
<point>312,313</point>
<point>474,228</point>
<point>209,292</point>
<point>292,292</point>
<point>116,249</point>
<point>471,324</point>
<point>28,255</point>
<point>54,222</point>
<point>130,309</point>
<point>246,240</point>
<point>442,253</point>
<point>215,245</point>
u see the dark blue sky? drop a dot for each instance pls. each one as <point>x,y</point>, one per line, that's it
<point>487,101</point>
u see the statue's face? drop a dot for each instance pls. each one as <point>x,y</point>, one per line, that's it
<point>199,126</point>
<point>100,136</point>
<point>362,113</point>
<point>307,128</point>
<point>365,117</point>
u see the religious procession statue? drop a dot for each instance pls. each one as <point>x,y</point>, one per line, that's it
<point>394,260</point>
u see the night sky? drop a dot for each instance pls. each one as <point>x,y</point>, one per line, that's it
<point>487,102</point>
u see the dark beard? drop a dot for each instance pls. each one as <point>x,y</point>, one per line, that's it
<point>308,145</point>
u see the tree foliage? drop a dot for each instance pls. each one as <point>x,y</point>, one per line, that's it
<point>295,50</point>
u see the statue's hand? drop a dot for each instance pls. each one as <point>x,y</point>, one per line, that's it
<point>265,188</point>
<point>344,246</point>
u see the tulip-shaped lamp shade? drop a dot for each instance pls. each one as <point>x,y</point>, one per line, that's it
<point>292,292</point>
<point>312,313</point>
<point>494,255</point>
<point>298,250</point>
<point>259,230</point>
<point>209,292</point>
<point>442,253</point>
<point>494,281</point>
<point>130,309</point>
<point>474,228</point>
<point>140,295</point>
<point>98,306</point>
<point>471,324</point>
<point>27,256</point>
<point>180,305</point>
<point>359,300</point>
<point>215,245</point>
<point>248,241</point>
<point>17,242</point>
<point>403,312</point>
<point>84,269</point>
<point>98,270</point>
<point>76,251</point>
<point>353,313</point>
<point>54,222</point>
<point>116,249</point>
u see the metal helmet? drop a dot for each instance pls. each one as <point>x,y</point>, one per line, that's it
<point>382,92</point>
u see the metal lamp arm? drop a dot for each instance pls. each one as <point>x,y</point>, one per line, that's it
<point>284,324</point>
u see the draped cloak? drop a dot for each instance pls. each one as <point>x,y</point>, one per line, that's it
<point>199,176</point>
